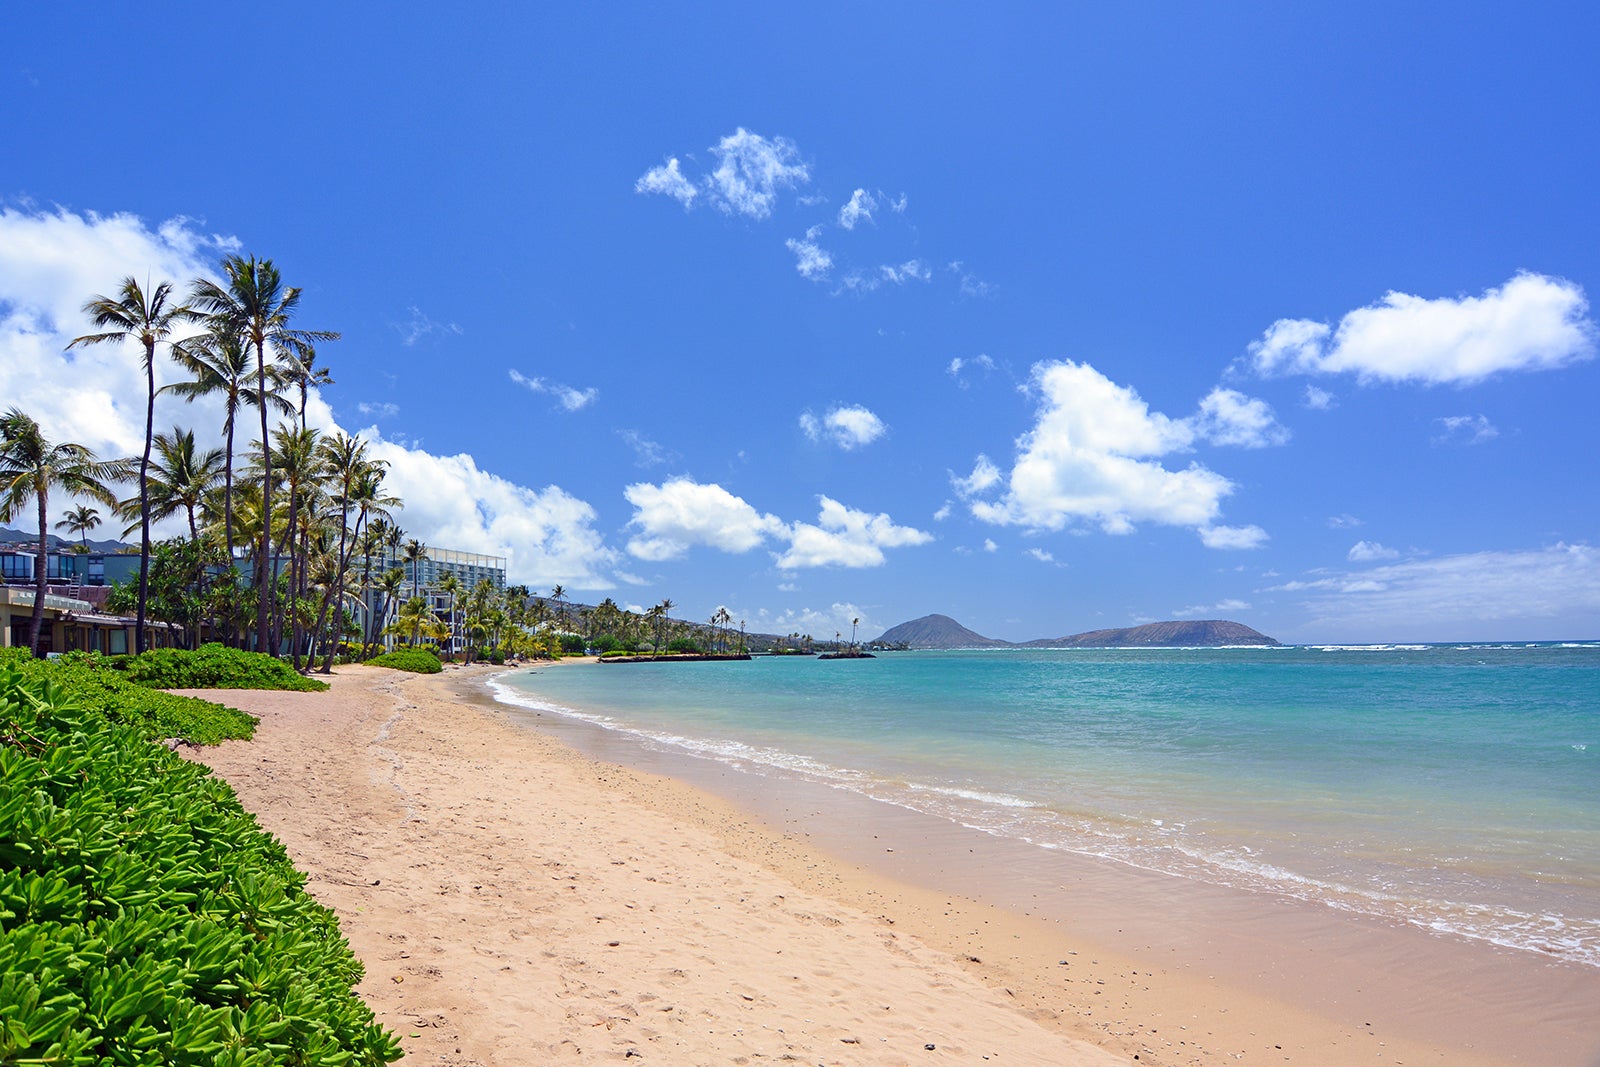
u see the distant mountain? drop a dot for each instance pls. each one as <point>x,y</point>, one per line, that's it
<point>1206,633</point>
<point>941,631</point>
<point>937,631</point>
<point>9,536</point>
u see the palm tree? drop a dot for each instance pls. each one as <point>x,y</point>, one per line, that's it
<point>300,371</point>
<point>360,487</point>
<point>559,595</point>
<point>257,306</point>
<point>414,553</point>
<point>390,585</point>
<point>853,624</point>
<point>450,585</point>
<point>220,365</point>
<point>148,320</point>
<point>179,479</point>
<point>80,520</point>
<point>30,466</point>
<point>300,463</point>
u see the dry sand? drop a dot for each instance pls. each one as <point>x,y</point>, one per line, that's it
<point>516,902</point>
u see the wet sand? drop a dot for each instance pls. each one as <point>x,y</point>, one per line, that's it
<point>516,900</point>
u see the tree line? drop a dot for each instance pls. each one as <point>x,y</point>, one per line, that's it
<point>285,528</point>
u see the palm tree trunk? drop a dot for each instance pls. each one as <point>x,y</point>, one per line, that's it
<point>265,579</point>
<point>337,592</point>
<point>140,639</point>
<point>40,561</point>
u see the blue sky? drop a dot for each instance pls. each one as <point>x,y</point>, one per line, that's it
<point>1047,319</point>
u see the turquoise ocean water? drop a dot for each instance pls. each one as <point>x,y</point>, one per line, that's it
<point>1455,787</point>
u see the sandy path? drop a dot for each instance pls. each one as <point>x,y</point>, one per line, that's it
<point>516,903</point>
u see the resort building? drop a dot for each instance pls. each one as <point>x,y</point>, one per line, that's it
<point>425,575</point>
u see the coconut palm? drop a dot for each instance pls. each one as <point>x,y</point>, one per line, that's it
<point>257,306</point>
<point>80,520</point>
<point>300,464</point>
<point>149,320</point>
<point>179,479</point>
<point>450,586</point>
<point>220,365</point>
<point>30,466</point>
<point>359,482</point>
<point>300,371</point>
<point>414,553</point>
<point>390,584</point>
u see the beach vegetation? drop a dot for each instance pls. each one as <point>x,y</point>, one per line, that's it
<point>685,645</point>
<point>145,917</point>
<point>215,666</point>
<point>99,688</point>
<point>415,660</point>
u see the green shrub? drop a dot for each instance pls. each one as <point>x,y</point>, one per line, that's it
<point>108,693</point>
<point>216,667</point>
<point>572,643</point>
<point>497,657</point>
<point>615,652</point>
<point>415,660</point>
<point>684,644</point>
<point>145,918</point>
<point>606,643</point>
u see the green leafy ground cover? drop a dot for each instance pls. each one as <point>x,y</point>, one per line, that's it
<point>215,666</point>
<point>415,660</point>
<point>100,689</point>
<point>145,918</point>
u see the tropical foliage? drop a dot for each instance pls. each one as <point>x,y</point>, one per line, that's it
<point>145,918</point>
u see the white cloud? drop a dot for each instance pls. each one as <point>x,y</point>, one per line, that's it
<point>1547,593</point>
<point>1532,322</point>
<point>989,545</point>
<point>846,537</point>
<point>547,534</point>
<point>943,513</point>
<point>1464,430</point>
<point>378,410</point>
<point>1318,399</point>
<point>1228,417</point>
<point>971,284</point>
<point>847,427</point>
<point>52,262</point>
<point>820,624</point>
<point>667,180</point>
<point>751,170</point>
<point>570,398</point>
<point>647,453</point>
<point>1232,537</point>
<point>957,365</point>
<point>1343,522</point>
<point>420,325</point>
<point>1041,555</point>
<point>860,208</point>
<point>1370,551</point>
<point>1093,456</point>
<point>912,270</point>
<point>811,260</point>
<point>1221,608</point>
<point>681,513</point>
<point>984,475</point>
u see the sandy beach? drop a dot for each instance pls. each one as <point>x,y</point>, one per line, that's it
<point>516,901</point>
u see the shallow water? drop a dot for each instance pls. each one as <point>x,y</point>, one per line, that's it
<point>1456,788</point>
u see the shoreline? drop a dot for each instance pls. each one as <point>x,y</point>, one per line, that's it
<point>396,768</point>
